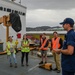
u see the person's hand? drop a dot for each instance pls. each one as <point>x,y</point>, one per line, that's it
<point>58,51</point>
<point>39,49</point>
<point>23,45</point>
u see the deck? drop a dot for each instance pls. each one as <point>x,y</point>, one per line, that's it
<point>32,69</point>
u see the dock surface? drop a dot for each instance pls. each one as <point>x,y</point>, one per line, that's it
<point>32,69</point>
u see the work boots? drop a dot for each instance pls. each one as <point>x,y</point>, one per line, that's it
<point>11,65</point>
<point>27,64</point>
<point>15,65</point>
<point>41,62</point>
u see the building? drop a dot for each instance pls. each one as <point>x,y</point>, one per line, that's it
<point>37,34</point>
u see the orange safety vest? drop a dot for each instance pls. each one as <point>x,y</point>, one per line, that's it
<point>55,43</point>
<point>43,44</point>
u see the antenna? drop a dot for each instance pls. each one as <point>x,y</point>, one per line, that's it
<point>20,1</point>
<point>12,0</point>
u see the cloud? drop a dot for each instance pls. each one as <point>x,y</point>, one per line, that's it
<point>48,4</point>
<point>48,12</point>
<point>40,17</point>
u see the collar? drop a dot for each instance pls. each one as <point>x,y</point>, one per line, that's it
<point>70,31</point>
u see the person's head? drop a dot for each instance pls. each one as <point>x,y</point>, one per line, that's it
<point>10,38</point>
<point>68,23</point>
<point>43,35</point>
<point>55,34</point>
<point>24,37</point>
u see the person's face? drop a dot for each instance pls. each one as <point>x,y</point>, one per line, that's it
<point>10,38</point>
<point>55,34</point>
<point>24,36</point>
<point>43,36</point>
<point>65,26</point>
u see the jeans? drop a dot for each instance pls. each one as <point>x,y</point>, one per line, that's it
<point>12,57</point>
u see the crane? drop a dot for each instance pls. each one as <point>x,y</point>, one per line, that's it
<point>5,20</point>
<point>12,20</point>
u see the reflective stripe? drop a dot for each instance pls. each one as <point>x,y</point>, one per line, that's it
<point>26,49</point>
<point>43,44</point>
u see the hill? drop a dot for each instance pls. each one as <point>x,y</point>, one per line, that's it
<point>44,28</point>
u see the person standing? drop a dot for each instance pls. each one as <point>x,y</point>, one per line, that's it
<point>25,50</point>
<point>10,48</point>
<point>68,51</point>
<point>56,43</point>
<point>43,47</point>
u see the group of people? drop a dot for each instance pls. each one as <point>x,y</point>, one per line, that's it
<point>11,50</point>
<point>66,48</point>
<point>56,43</point>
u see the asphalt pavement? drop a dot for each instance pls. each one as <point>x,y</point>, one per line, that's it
<point>32,69</point>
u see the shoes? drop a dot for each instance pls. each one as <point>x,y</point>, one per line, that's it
<point>45,62</point>
<point>27,65</point>
<point>15,65</point>
<point>55,69</point>
<point>58,71</point>
<point>41,62</point>
<point>11,65</point>
<point>22,65</point>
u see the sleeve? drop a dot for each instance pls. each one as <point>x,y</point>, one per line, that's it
<point>71,40</point>
<point>71,43</point>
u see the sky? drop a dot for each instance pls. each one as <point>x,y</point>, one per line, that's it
<point>47,12</point>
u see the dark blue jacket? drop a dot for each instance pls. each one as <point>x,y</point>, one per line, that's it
<point>68,61</point>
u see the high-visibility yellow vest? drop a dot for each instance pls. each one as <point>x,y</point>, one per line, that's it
<point>8,47</point>
<point>25,49</point>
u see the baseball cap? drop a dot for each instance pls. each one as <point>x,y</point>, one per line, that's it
<point>68,21</point>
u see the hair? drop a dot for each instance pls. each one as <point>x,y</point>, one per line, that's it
<point>23,37</point>
<point>55,32</point>
<point>44,34</point>
<point>9,37</point>
<point>71,25</point>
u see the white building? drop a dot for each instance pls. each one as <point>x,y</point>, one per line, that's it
<point>7,7</point>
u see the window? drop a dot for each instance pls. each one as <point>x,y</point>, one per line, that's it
<point>23,13</point>
<point>19,12</point>
<point>13,11</point>
<point>16,11</point>
<point>1,8</point>
<point>4,9</point>
<point>8,10</point>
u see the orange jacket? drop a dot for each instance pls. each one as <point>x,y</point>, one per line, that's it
<point>43,44</point>
<point>55,43</point>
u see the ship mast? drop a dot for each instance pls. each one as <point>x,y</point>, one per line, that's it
<point>20,2</point>
<point>12,0</point>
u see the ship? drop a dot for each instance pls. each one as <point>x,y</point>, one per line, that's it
<point>7,7</point>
